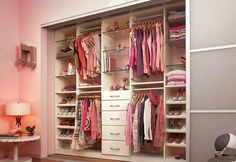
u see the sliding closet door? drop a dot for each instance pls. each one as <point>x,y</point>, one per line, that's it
<point>213,76</point>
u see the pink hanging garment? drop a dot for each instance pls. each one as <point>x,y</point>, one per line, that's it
<point>162,51</point>
<point>144,49</point>
<point>84,111</point>
<point>93,122</point>
<point>159,137</point>
<point>128,126</point>
<point>158,42</point>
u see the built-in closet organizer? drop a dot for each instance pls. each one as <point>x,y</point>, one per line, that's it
<point>111,82</point>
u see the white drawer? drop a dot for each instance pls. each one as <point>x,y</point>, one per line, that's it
<point>115,105</point>
<point>113,132</point>
<point>116,95</point>
<point>113,117</point>
<point>115,148</point>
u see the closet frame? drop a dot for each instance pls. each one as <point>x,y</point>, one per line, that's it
<point>132,14</point>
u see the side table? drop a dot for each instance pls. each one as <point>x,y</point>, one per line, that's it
<point>15,141</point>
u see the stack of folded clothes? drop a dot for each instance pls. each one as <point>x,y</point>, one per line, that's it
<point>176,77</point>
<point>177,33</point>
<point>176,14</point>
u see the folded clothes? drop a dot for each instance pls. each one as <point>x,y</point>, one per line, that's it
<point>176,72</point>
<point>177,28</point>
<point>171,17</point>
<point>176,78</point>
<point>176,83</point>
<point>172,12</point>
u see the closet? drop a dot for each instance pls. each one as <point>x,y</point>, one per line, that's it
<point>119,72</point>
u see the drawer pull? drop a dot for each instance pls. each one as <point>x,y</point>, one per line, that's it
<point>114,118</point>
<point>112,96</point>
<point>115,134</point>
<point>114,149</point>
<point>114,105</point>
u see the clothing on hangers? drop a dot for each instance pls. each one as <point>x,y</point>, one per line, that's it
<point>146,49</point>
<point>88,118</point>
<point>142,124</point>
<point>88,52</point>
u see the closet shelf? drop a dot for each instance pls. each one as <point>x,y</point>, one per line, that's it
<point>66,40</point>
<point>182,116</point>
<point>66,92</point>
<point>175,86</point>
<point>117,31</point>
<point>147,89</point>
<point>176,65</point>
<point>65,105</point>
<point>65,76</point>
<point>118,70</point>
<point>65,127</point>
<point>116,50</point>
<point>182,144</point>
<point>170,102</point>
<point>147,83</point>
<point>65,116</point>
<point>172,159</point>
<point>177,21</point>
<point>177,43</point>
<point>90,87</point>
<point>64,138</point>
<point>65,56</point>
<point>89,92</point>
<point>182,130</point>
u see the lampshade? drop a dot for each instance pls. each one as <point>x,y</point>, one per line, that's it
<point>17,109</point>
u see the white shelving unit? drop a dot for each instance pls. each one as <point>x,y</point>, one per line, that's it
<point>115,44</point>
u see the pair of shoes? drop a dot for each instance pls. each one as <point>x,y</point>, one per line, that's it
<point>66,133</point>
<point>181,156</point>
<point>177,138</point>
<point>180,95</point>
<point>175,111</point>
<point>68,122</point>
<point>175,123</point>
<point>68,100</point>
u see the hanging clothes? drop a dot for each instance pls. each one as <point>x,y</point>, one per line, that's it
<point>141,121</point>
<point>88,53</point>
<point>159,137</point>
<point>146,50</point>
<point>88,128</point>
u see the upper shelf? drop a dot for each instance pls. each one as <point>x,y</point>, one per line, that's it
<point>116,50</point>
<point>65,40</point>
<point>119,32</point>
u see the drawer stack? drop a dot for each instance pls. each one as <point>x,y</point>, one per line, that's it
<point>114,105</point>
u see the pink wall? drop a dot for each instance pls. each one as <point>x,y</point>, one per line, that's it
<point>9,76</point>
<point>33,84</point>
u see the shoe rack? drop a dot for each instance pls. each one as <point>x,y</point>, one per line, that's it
<point>175,95</point>
<point>116,86</point>
<point>65,87</point>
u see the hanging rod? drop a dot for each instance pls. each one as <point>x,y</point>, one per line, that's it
<point>148,17</point>
<point>147,89</point>
<point>90,29</point>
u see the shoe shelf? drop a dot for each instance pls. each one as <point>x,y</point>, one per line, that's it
<point>147,83</point>
<point>175,86</point>
<point>66,56</point>
<point>65,127</point>
<point>89,92</point>
<point>66,105</point>
<point>170,102</point>
<point>65,116</point>
<point>64,138</point>
<point>90,87</point>
<point>117,70</point>
<point>66,92</point>
<point>182,116</point>
<point>182,144</point>
<point>172,159</point>
<point>182,130</point>
<point>65,76</point>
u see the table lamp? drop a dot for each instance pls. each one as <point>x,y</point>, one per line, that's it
<point>18,109</point>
